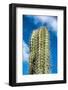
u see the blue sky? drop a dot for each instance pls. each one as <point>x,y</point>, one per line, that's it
<point>30,23</point>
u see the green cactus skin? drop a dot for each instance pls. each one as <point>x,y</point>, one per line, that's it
<point>39,58</point>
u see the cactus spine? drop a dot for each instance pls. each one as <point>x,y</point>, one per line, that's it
<point>39,52</point>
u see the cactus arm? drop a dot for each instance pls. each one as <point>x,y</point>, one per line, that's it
<point>39,52</point>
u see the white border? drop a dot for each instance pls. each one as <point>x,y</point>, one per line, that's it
<point>45,77</point>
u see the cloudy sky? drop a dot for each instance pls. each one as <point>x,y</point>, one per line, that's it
<point>31,23</point>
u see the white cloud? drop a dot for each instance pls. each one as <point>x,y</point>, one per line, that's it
<point>46,19</point>
<point>42,18</point>
<point>50,20</point>
<point>25,52</point>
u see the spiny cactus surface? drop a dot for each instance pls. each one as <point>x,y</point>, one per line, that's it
<point>39,58</point>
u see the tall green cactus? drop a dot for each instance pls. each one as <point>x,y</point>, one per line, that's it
<point>39,58</point>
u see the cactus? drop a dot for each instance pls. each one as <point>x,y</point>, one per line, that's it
<point>39,58</point>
